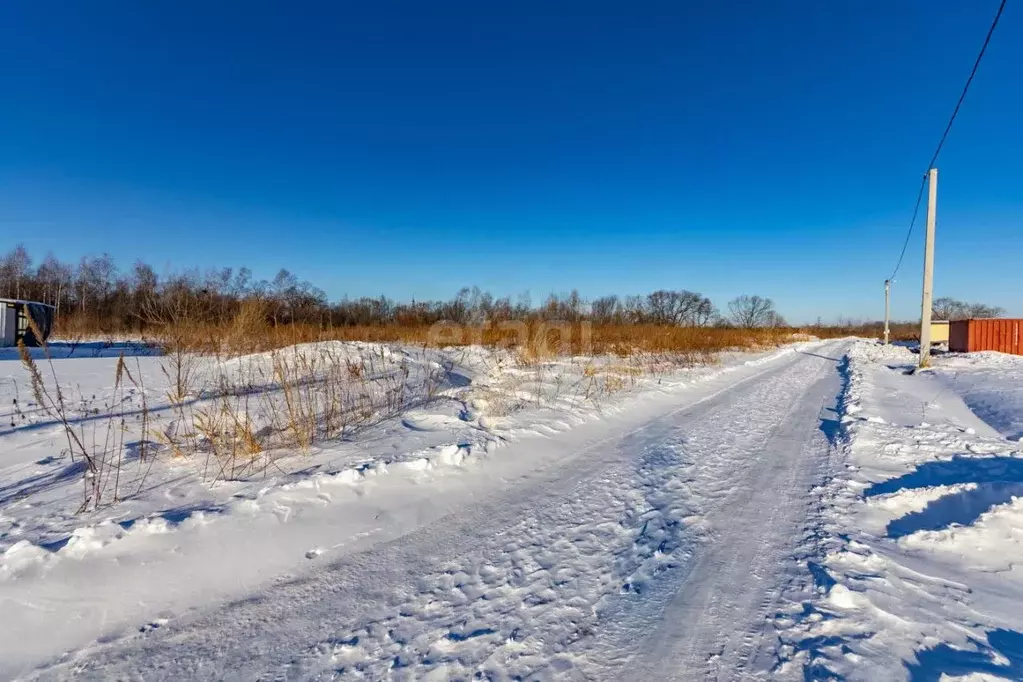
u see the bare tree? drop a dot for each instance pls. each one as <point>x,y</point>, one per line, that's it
<point>605,310</point>
<point>634,309</point>
<point>947,308</point>
<point>679,308</point>
<point>53,278</point>
<point>14,270</point>
<point>977,310</point>
<point>704,313</point>
<point>95,280</point>
<point>749,312</point>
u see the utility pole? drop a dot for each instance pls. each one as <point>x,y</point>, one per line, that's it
<point>925,311</point>
<point>887,291</point>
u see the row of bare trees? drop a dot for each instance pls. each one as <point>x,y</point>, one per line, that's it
<point>97,295</point>
<point>951,309</point>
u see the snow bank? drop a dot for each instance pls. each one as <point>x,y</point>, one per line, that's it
<point>915,553</point>
<point>991,384</point>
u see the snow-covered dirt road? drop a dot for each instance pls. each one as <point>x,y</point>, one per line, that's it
<point>654,552</point>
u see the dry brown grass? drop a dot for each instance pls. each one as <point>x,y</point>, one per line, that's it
<point>242,420</point>
<point>311,394</point>
<point>533,341</point>
<point>98,444</point>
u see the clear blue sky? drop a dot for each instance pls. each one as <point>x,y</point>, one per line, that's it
<point>408,149</point>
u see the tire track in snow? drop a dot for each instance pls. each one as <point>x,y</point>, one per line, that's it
<point>716,625</point>
<point>520,606</point>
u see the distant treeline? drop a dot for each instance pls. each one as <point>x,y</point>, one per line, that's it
<point>95,293</point>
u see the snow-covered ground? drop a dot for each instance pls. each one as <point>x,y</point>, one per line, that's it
<point>387,512</point>
<point>197,523</point>
<point>916,553</point>
<point>991,384</point>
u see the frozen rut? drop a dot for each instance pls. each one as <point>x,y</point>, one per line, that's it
<point>656,554</point>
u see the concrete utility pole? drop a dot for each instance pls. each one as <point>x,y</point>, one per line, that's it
<point>925,311</point>
<point>887,291</point>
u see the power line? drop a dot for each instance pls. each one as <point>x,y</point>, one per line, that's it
<point>966,88</point>
<point>948,128</point>
<point>912,223</point>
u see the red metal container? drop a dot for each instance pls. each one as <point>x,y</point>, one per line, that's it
<point>968,336</point>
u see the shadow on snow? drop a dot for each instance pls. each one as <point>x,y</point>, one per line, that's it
<point>997,479</point>
<point>1002,656</point>
<point>41,482</point>
<point>63,350</point>
<point>831,417</point>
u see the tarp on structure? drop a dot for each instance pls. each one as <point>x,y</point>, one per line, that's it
<point>42,315</point>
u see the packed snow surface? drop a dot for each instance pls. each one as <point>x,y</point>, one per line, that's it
<point>812,512</point>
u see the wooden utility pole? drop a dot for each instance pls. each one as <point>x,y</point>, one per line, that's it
<point>925,311</point>
<point>887,291</point>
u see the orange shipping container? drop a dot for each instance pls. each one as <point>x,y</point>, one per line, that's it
<point>968,336</point>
